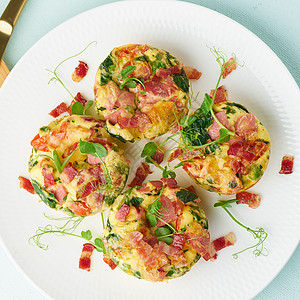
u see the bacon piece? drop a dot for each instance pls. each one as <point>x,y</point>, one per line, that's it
<point>178,241</point>
<point>251,199</point>
<point>246,127</point>
<point>77,98</point>
<point>70,150</point>
<point>287,165</point>
<point>88,188</point>
<point>192,73</point>
<point>68,173</point>
<point>199,241</point>
<point>58,110</point>
<point>167,211</point>
<point>109,261</point>
<point>26,184</point>
<point>122,212</point>
<point>231,65</point>
<point>164,73</point>
<point>158,156</point>
<point>170,182</point>
<point>80,71</point>
<point>213,131</point>
<point>40,143</point>
<point>185,154</point>
<point>93,160</point>
<point>132,51</point>
<point>135,237</point>
<point>169,250</point>
<point>158,88</point>
<point>140,175</point>
<point>221,95</point>
<point>117,97</point>
<point>151,187</point>
<point>60,193</point>
<point>120,112</point>
<point>98,173</point>
<point>80,98</point>
<point>80,209</point>
<point>85,258</point>
<point>48,177</point>
<point>219,244</point>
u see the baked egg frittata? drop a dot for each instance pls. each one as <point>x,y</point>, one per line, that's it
<point>227,167</point>
<point>80,188</point>
<point>140,91</point>
<point>156,242</point>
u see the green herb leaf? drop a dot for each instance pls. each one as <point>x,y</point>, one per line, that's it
<point>99,245</point>
<point>94,149</point>
<point>127,71</point>
<point>149,149</point>
<point>57,161</point>
<point>77,108</point>
<point>164,234</point>
<point>130,84</point>
<point>206,104</point>
<point>225,203</point>
<point>87,106</point>
<point>152,219</point>
<point>86,235</point>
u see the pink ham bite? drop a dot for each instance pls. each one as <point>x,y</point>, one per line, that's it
<point>246,127</point>
<point>215,127</point>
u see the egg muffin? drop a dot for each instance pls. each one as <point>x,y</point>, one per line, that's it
<point>140,91</point>
<point>68,180</point>
<point>225,167</point>
<point>156,232</point>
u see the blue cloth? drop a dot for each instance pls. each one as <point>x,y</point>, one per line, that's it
<point>276,22</point>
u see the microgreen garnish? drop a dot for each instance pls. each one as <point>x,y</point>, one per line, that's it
<point>67,229</point>
<point>147,153</point>
<point>78,108</point>
<point>99,151</point>
<point>155,213</point>
<point>54,72</point>
<point>48,229</point>
<point>130,82</point>
<point>259,233</point>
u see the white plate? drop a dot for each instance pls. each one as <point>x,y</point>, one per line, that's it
<point>263,85</point>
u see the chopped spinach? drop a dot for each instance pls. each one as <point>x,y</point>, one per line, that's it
<point>196,134</point>
<point>109,199</point>
<point>171,272</point>
<point>136,201</point>
<point>137,274</point>
<point>229,110</point>
<point>108,226</point>
<point>119,137</point>
<point>238,105</point>
<point>186,196</point>
<point>156,64</point>
<point>32,163</point>
<point>256,172</point>
<point>107,63</point>
<point>44,129</point>
<point>181,81</point>
<point>106,68</point>
<point>113,236</point>
<point>232,184</point>
<point>47,198</point>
